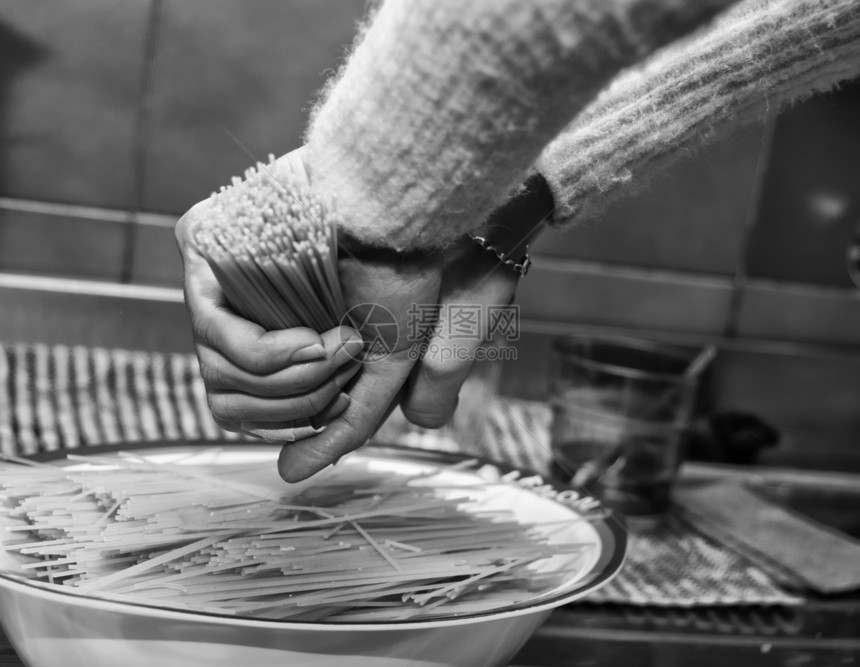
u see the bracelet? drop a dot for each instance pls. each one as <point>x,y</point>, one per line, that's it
<point>511,227</point>
<point>521,267</point>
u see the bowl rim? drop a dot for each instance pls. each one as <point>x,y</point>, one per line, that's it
<point>610,528</point>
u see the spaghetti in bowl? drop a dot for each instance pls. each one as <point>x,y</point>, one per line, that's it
<point>403,557</point>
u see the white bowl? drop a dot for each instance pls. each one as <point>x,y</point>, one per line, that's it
<point>52,626</point>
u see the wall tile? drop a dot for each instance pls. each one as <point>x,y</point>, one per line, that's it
<point>526,377</point>
<point>811,197</point>
<point>156,257</point>
<point>61,246</point>
<point>576,292</point>
<point>252,68</point>
<point>70,77</point>
<point>800,314</point>
<point>690,217</point>
<point>816,450</point>
<point>122,317</point>
<point>814,399</point>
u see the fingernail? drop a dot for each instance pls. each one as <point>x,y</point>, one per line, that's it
<point>309,353</point>
<point>350,350</point>
<point>338,406</point>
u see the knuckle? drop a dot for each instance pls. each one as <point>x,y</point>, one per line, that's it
<point>320,399</point>
<point>215,405</point>
<point>302,381</point>
<point>343,379</point>
<point>213,370</point>
<point>209,374</point>
<point>222,407</point>
<point>218,376</point>
<point>201,326</point>
<point>315,403</point>
<point>259,358</point>
<point>228,425</point>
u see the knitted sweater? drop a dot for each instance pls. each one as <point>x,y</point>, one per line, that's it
<point>754,60</point>
<point>443,105</point>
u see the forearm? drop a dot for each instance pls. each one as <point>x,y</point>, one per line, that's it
<point>756,58</point>
<point>444,104</point>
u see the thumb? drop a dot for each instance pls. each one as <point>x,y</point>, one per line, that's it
<point>382,294</point>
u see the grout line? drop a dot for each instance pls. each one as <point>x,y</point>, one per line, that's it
<point>65,210</point>
<point>740,278</point>
<point>77,211</point>
<point>81,287</point>
<point>545,263</point>
<point>841,351</point>
<point>142,129</point>
<point>553,264</point>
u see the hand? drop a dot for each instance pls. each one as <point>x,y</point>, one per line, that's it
<point>396,283</point>
<point>258,381</point>
<point>474,276</point>
<point>428,389</point>
<point>471,276</point>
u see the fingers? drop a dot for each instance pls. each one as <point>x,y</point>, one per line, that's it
<point>434,387</point>
<point>220,373</point>
<point>280,432</point>
<point>291,431</point>
<point>257,381</point>
<point>394,287</point>
<point>370,400</point>
<point>245,344</point>
<point>231,406</point>
<point>472,278</point>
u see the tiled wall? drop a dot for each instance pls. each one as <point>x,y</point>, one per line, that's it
<point>147,106</point>
<point>117,116</point>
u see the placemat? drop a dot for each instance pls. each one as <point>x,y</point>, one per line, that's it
<point>57,397</point>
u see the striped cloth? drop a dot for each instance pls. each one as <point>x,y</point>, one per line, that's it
<point>673,564</point>
<point>676,565</point>
<point>62,398</point>
<point>54,398</point>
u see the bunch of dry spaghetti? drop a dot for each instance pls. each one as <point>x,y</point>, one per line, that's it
<point>359,545</point>
<point>272,244</point>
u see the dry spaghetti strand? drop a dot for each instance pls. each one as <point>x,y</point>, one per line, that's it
<point>272,244</point>
<point>358,545</point>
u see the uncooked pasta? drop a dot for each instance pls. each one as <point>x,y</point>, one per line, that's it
<point>358,544</point>
<point>272,244</point>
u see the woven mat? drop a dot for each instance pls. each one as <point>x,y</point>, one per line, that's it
<point>54,398</point>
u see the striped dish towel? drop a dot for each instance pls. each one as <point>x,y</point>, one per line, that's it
<point>67,397</point>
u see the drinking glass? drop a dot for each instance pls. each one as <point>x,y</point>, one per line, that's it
<point>620,408</point>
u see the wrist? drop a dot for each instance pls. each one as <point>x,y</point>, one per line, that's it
<point>356,247</point>
<point>513,226</point>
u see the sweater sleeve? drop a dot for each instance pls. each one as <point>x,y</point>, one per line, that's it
<point>443,105</point>
<point>754,59</point>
